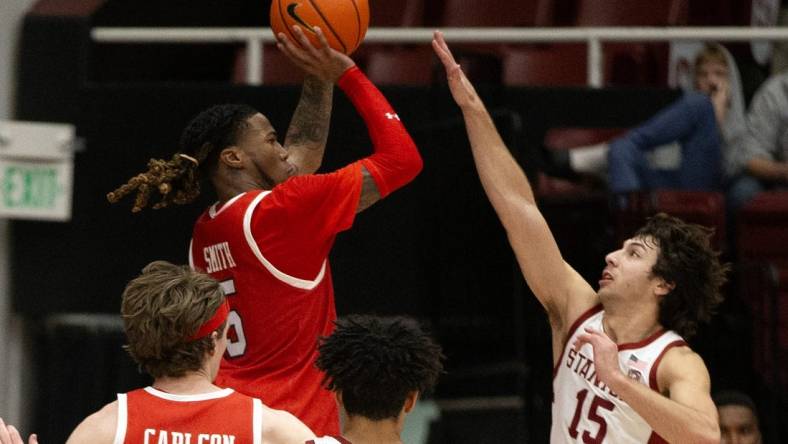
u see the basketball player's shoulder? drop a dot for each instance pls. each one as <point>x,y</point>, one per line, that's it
<point>681,363</point>
<point>99,428</point>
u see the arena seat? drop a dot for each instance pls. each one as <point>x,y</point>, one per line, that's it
<point>629,13</point>
<point>474,13</point>
<point>403,13</point>
<point>400,65</point>
<point>699,207</point>
<point>554,65</point>
<point>277,68</point>
<point>633,63</point>
<point>564,138</point>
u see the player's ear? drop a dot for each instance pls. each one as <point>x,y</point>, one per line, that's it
<point>410,401</point>
<point>664,287</point>
<point>232,156</point>
<point>338,396</point>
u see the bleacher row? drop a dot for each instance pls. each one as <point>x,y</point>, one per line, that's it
<point>538,65</point>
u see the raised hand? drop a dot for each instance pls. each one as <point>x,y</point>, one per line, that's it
<point>461,88</point>
<point>10,435</point>
<point>605,355</point>
<point>720,98</point>
<point>323,62</point>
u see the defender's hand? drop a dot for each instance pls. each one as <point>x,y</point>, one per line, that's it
<point>323,62</point>
<point>461,88</point>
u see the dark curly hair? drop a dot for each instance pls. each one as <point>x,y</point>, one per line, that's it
<point>686,260</point>
<point>178,179</point>
<point>375,362</point>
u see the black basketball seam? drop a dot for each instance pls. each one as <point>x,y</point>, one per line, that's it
<point>284,22</point>
<point>358,23</point>
<point>328,25</point>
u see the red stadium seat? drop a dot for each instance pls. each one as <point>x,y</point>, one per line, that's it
<point>761,239</point>
<point>400,65</point>
<point>761,223</point>
<point>475,13</point>
<point>277,68</point>
<point>571,137</point>
<point>699,207</point>
<point>556,65</point>
<point>386,13</point>
<point>631,13</point>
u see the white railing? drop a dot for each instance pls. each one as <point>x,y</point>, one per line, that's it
<point>593,37</point>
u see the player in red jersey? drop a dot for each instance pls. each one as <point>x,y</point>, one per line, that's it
<point>622,372</point>
<point>175,320</point>
<point>268,237</point>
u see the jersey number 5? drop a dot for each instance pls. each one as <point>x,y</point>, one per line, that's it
<point>236,340</point>
<point>596,404</point>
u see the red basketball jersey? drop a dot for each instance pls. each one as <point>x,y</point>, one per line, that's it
<point>270,251</point>
<point>151,416</point>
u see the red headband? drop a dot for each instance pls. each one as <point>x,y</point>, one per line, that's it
<point>212,324</point>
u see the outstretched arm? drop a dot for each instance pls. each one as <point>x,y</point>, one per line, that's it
<point>306,137</point>
<point>551,279</point>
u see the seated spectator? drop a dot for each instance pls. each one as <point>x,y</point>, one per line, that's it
<point>760,161</point>
<point>738,418</point>
<point>682,146</point>
<point>377,368</point>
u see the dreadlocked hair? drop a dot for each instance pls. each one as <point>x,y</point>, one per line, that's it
<point>375,362</point>
<point>178,179</point>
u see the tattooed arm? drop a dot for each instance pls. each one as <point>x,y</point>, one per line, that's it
<point>308,131</point>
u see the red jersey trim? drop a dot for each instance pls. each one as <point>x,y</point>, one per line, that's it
<point>583,317</point>
<point>123,418</point>
<point>293,281</point>
<point>643,342</point>
<point>652,377</point>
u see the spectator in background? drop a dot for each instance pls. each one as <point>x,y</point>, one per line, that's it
<point>738,418</point>
<point>682,146</point>
<point>377,368</point>
<point>760,161</point>
<point>705,123</point>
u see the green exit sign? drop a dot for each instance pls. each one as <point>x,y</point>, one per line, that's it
<point>32,189</point>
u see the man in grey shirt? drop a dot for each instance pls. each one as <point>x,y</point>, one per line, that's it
<point>760,161</point>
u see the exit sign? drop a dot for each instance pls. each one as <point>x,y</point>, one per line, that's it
<point>36,170</point>
<point>35,189</point>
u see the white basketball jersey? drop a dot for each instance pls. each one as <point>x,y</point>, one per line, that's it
<point>585,410</point>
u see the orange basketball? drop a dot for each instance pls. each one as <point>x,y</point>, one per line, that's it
<point>343,22</point>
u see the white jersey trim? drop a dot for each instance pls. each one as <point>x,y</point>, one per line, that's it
<point>257,421</point>
<point>325,440</point>
<point>212,209</point>
<point>189,398</point>
<point>191,254</point>
<point>284,277</point>
<point>123,417</point>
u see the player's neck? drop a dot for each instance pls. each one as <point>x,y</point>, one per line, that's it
<point>625,326</point>
<point>193,383</point>
<point>360,430</point>
<point>233,184</point>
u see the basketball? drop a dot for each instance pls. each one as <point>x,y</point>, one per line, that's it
<point>343,22</point>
